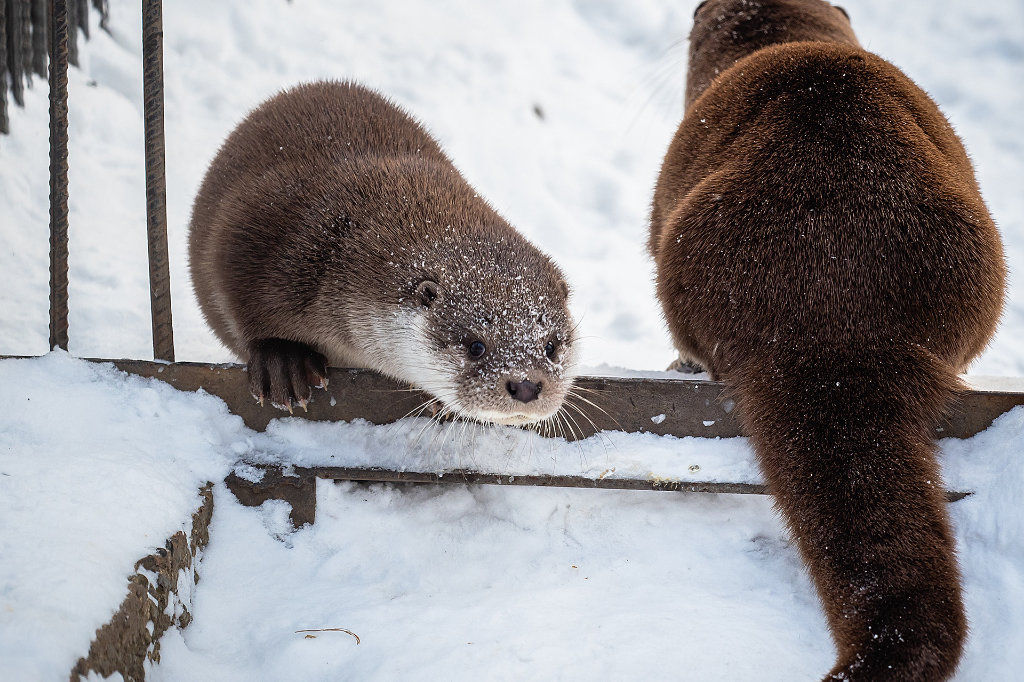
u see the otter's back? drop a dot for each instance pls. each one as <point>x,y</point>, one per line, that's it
<point>275,163</point>
<point>817,186</point>
<point>311,127</point>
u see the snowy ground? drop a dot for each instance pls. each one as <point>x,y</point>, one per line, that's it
<point>445,582</point>
<point>441,583</point>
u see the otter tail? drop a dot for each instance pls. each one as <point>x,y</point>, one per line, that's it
<point>845,444</point>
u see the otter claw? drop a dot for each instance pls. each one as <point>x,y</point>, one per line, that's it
<point>284,371</point>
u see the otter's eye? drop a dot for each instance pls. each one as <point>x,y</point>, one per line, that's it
<point>549,350</point>
<point>477,349</point>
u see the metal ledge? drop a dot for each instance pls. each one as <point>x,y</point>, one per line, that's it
<point>690,407</point>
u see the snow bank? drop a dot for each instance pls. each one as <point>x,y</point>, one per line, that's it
<point>97,469</point>
<point>460,582</point>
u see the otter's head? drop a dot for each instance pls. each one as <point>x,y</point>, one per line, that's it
<point>492,329</point>
<point>725,31</point>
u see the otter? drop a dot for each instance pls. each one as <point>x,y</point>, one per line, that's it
<point>332,229</point>
<point>822,247</point>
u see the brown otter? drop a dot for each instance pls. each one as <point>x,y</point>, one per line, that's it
<point>331,227</point>
<point>822,247</point>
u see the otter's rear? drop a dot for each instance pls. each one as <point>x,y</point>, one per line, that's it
<point>822,247</point>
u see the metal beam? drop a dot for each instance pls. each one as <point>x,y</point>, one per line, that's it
<point>676,407</point>
<point>297,486</point>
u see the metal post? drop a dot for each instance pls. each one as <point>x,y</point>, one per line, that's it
<point>58,76</point>
<point>156,195</point>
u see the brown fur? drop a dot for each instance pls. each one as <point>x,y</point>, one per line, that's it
<point>331,226</point>
<point>727,34</point>
<point>822,247</point>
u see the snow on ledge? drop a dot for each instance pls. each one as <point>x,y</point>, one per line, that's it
<point>97,468</point>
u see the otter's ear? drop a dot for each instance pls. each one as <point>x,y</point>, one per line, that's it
<point>563,288</point>
<point>699,7</point>
<point>845,14</point>
<point>426,293</point>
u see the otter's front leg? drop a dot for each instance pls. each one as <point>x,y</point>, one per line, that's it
<point>285,372</point>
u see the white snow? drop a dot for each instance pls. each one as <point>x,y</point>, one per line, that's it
<point>97,469</point>
<point>444,582</point>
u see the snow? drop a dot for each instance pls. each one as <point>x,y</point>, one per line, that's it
<point>493,582</point>
<point>444,582</point>
<point>83,501</point>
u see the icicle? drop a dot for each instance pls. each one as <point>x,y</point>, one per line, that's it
<point>83,16</point>
<point>39,28</point>
<point>15,62</point>
<point>103,8</point>
<point>73,32</point>
<point>26,39</point>
<point>4,127</point>
<point>24,47</point>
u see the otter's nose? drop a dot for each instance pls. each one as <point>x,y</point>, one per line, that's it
<point>523,391</point>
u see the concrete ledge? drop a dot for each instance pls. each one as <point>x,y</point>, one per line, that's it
<point>159,597</point>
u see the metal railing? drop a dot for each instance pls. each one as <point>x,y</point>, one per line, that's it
<point>685,407</point>
<point>156,210</point>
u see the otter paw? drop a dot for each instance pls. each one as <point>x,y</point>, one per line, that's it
<point>285,372</point>
<point>685,366</point>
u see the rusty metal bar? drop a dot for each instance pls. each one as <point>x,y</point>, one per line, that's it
<point>464,477</point>
<point>676,407</point>
<point>297,487</point>
<point>156,192</point>
<point>58,77</point>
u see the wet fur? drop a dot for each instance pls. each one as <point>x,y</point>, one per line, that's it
<point>822,247</point>
<point>317,224</point>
